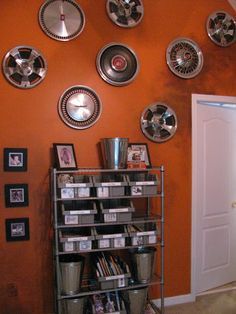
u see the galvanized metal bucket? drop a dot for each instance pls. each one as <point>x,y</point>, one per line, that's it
<point>114,151</point>
<point>73,306</point>
<point>71,269</point>
<point>135,300</point>
<point>143,264</point>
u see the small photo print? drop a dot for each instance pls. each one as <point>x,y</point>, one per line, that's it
<point>136,190</point>
<point>16,195</point>
<point>65,156</point>
<point>67,193</point>
<point>138,156</point>
<point>15,159</point>
<point>17,229</point>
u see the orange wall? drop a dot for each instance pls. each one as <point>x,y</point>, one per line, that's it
<point>29,119</point>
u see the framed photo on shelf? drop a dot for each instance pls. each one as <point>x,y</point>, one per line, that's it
<point>16,195</point>
<point>15,159</point>
<point>138,156</point>
<point>17,229</point>
<point>65,156</point>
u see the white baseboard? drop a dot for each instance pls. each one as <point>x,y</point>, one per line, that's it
<point>217,290</point>
<point>186,298</point>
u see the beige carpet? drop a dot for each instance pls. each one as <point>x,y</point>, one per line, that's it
<point>217,303</point>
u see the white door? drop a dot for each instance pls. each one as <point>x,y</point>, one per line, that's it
<point>213,191</point>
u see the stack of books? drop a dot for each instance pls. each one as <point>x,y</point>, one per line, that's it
<point>108,265</point>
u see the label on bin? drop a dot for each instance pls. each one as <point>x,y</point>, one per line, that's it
<point>145,183</point>
<point>75,185</point>
<point>115,277</point>
<point>77,239</point>
<point>145,233</point>
<point>108,236</point>
<point>79,212</point>
<point>121,282</point>
<point>118,210</point>
<point>111,184</point>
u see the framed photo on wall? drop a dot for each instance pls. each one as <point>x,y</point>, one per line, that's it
<point>65,156</point>
<point>17,229</point>
<point>138,156</point>
<point>16,195</point>
<point>15,159</point>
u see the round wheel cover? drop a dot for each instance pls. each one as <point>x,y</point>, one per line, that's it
<point>184,58</point>
<point>158,122</point>
<point>117,64</point>
<point>79,107</point>
<point>125,13</point>
<point>61,19</point>
<point>221,28</point>
<point>24,67</point>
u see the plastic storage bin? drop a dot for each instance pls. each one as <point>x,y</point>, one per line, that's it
<point>78,212</point>
<point>77,240</point>
<point>112,185</point>
<point>111,271</point>
<point>113,282</point>
<point>116,210</point>
<point>138,236</point>
<point>142,184</point>
<point>75,186</point>
<point>110,236</point>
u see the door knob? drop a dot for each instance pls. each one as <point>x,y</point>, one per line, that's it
<point>234,204</point>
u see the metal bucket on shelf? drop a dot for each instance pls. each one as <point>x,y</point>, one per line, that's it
<point>135,300</point>
<point>114,152</point>
<point>71,269</point>
<point>143,261</point>
<point>73,306</point>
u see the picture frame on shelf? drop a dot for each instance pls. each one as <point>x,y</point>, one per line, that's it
<point>138,156</point>
<point>15,159</point>
<point>17,229</point>
<point>64,156</point>
<point>16,195</point>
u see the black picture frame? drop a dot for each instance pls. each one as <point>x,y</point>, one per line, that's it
<point>15,159</point>
<point>65,158</point>
<point>16,195</point>
<point>17,229</point>
<point>138,156</point>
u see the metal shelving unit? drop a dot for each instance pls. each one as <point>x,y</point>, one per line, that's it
<point>148,217</point>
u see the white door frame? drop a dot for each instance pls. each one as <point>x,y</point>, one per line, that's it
<point>233,3</point>
<point>211,99</point>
